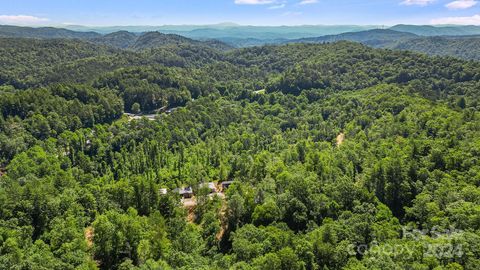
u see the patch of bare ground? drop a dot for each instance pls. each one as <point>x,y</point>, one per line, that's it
<point>89,236</point>
<point>340,139</point>
<point>190,204</point>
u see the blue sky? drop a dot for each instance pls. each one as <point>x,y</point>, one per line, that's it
<point>247,12</point>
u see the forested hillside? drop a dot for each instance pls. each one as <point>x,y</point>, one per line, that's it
<point>44,32</point>
<point>39,62</point>
<point>376,38</point>
<point>465,47</point>
<point>332,156</point>
<point>438,30</point>
<point>119,39</point>
<point>149,40</point>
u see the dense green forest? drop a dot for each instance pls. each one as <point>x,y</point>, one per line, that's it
<point>340,156</point>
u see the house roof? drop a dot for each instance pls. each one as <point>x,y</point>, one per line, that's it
<point>187,190</point>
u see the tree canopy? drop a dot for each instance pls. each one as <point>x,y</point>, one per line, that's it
<point>339,156</point>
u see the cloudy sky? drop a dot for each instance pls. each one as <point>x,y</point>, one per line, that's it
<point>251,12</point>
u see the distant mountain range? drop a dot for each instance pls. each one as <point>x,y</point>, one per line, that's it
<point>444,30</point>
<point>244,36</point>
<point>234,31</point>
<point>120,39</point>
<point>467,47</point>
<point>44,32</point>
<point>374,38</point>
<point>457,41</point>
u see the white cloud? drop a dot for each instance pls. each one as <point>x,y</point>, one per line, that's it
<point>277,6</point>
<point>307,2</point>
<point>461,4</point>
<point>21,19</point>
<point>473,20</point>
<point>254,2</point>
<point>417,2</point>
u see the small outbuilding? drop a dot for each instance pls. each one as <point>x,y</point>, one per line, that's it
<point>186,192</point>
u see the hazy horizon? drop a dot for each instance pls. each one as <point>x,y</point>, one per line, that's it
<point>243,12</point>
<point>226,25</point>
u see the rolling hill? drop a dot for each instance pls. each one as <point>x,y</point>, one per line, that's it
<point>156,39</point>
<point>445,30</point>
<point>465,47</point>
<point>43,32</point>
<point>374,38</point>
<point>461,47</point>
<point>119,39</point>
